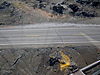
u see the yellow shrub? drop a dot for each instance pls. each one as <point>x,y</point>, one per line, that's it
<point>51,15</point>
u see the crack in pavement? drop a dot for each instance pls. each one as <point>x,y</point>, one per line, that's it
<point>58,35</point>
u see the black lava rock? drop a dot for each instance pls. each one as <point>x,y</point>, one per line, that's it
<point>58,9</point>
<point>74,7</point>
<point>4,4</point>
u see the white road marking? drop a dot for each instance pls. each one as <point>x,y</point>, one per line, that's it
<point>51,43</point>
<point>29,29</point>
<point>88,37</point>
<point>93,41</point>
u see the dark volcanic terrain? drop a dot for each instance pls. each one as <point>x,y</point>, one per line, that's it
<point>17,12</point>
<point>38,61</point>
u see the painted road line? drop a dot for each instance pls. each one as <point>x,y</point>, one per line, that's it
<point>79,34</point>
<point>89,38</point>
<point>98,42</point>
<point>32,35</point>
<point>93,41</point>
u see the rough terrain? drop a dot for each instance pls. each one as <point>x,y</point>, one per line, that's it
<point>38,61</point>
<point>20,12</point>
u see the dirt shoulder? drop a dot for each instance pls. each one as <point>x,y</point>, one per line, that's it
<point>36,61</point>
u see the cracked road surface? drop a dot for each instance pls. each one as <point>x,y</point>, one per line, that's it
<point>15,36</point>
<point>34,61</point>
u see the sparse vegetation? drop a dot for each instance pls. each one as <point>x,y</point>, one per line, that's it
<point>20,2</point>
<point>51,15</point>
<point>23,11</point>
<point>57,46</point>
<point>23,6</point>
<point>51,48</point>
<point>69,46</point>
<point>51,12</point>
<point>16,5</point>
<point>20,7</point>
<point>45,60</point>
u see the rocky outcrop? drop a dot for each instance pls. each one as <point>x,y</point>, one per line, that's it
<point>85,14</point>
<point>74,7</point>
<point>58,7</point>
<point>4,5</point>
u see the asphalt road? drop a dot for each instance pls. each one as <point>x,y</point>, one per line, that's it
<point>53,35</point>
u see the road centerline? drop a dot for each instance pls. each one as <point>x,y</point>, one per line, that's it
<point>79,34</point>
<point>31,35</point>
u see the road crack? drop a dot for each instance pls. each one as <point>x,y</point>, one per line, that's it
<point>58,35</point>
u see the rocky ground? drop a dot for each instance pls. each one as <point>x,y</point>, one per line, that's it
<point>17,12</point>
<point>44,60</point>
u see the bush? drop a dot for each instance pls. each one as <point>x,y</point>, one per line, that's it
<point>20,2</point>
<point>23,11</point>
<point>16,5</point>
<point>23,6</point>
<point>51,15</point>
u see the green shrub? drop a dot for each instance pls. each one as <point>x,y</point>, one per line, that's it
<point>58,47</point>
<point>23,6</point>
<point>69,46</point>
<point>20,2</point>
<point>16,5</point>
<point>23,11</point>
